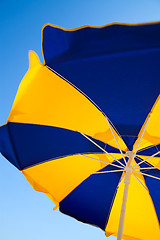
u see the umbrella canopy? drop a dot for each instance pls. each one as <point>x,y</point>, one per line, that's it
<point>84,126</point>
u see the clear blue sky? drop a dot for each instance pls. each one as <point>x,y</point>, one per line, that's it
<point>24,213</point>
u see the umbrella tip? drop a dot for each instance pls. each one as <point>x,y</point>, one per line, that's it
<point>33,59</point>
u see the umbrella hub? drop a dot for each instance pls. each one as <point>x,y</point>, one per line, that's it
<point>128,169</point>
<point>130,154</point>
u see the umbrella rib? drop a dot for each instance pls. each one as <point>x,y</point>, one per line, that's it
<point>101,161</point>
<point>140,182</point>
<point>146,159</point>
<point>75,88</point>
<point>142,162</point>
<point>157,147</point>
<point>141,137</point>
<point>141,150</point>
<point>116,140</point>
<point>148,175</point>
<point>102,149</point>
<point>120,170</point>
<point>148,168</point>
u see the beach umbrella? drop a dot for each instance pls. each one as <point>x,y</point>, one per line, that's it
<point>84,127</point>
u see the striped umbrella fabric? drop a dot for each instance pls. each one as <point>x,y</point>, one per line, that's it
<point>84,127</point>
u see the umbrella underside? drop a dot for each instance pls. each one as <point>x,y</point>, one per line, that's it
<point>69,135</point>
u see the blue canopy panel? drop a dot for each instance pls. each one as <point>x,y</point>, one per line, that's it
<point>150,151</point>
<point>92,200</point>
<point>6,146</point>
<point>117,66</point>
<point>25,145</point>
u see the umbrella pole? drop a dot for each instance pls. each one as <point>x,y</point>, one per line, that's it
<point>128,170</point>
